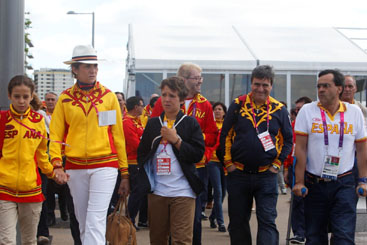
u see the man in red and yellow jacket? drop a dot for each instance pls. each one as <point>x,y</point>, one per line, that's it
<point>198,106</point>
<point>133,131</point>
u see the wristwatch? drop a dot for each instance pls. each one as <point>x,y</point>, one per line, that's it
<point>275,167</point>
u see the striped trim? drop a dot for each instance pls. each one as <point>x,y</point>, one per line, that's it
<point>261,169</point>
<point>200,165</point>
<point>132,162</point>
<point>21,194</point>
<point>227,164</point>
<point>81,58</point>
<point>277,163</point>
<point>92,161</point>
<point>361,140</point>
<point>300,133</point>
<point>124,171</point>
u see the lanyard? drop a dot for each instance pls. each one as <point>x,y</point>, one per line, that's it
<point>34,131</point>
<point>341,132</point>
<point>267,118</point>
<point>193,110</point>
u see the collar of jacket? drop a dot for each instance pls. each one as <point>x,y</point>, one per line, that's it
<point>16,114</point>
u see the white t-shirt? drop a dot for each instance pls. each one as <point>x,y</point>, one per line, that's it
<point>187,104</point>
<point>309,123</point>
<point>175,184</point>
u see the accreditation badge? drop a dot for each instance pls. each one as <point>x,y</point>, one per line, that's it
<point>266,141</point>
<point>163,164</point>
<point>106,118</point>
<point>331,167</point>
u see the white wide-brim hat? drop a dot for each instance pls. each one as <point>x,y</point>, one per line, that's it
<point>83,54</point>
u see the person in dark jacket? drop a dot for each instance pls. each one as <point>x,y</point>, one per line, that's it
<point>170,146</point>
<point>256,137</point>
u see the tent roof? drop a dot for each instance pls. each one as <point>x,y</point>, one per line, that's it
<point>239,48</point>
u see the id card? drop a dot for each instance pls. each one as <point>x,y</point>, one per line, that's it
<point>266,141</point>
<point>106,118</point>
<point>331,167</point>
<point>163,164</point>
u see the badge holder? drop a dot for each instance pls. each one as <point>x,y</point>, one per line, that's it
<point>163,162</point>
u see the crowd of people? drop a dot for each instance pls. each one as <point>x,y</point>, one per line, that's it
<point>165,155</point>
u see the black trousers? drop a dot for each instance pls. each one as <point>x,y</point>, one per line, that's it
<point>42,229</point>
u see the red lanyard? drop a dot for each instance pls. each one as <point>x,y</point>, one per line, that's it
<point>341,132</point>
<point>254,116</point>
<point>34,131</point>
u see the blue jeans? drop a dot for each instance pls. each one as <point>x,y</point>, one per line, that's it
<point>215,176</point>
<point>242,188</point>
<point>203,175</point>
<point>298,214</point>
<point>331,203</point>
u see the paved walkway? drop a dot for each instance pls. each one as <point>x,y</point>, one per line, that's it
<point>62,235</point>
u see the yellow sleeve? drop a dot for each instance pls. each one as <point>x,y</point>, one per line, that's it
<point>57,131</point>
<point>41,154</point>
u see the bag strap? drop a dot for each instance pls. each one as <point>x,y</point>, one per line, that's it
<point>119,206</point>
<point>3,119</point>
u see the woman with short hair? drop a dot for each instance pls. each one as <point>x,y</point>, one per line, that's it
<point>170,146</point>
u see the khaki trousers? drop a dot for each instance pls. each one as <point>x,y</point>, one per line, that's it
<point>171,216</point>
<point>27,214</point>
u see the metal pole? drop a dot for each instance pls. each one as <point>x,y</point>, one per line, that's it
<point>93,29</point>
<point>11,45</point>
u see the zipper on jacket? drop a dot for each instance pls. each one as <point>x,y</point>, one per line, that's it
<point>86,134</point>
<point>19,151</point>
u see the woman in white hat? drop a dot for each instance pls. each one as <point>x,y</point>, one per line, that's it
<point>85,118</point>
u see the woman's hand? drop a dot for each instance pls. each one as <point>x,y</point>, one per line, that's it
<point>169,134</point>
<point>124,188</point>
<point>60,176</point>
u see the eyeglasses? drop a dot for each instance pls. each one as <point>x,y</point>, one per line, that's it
<point>323,85</point>
<point>195,78</point>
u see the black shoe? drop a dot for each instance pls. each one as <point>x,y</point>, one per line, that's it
<point>203,216</point>
<point>64,215</point>
<point>212,223</point>
<point>43,240</point>
<point>51,221</point>
<point>143,224</point>
<point>222,228</point>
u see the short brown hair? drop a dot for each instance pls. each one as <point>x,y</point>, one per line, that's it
<point>20,80</point>
<point>176,84</point>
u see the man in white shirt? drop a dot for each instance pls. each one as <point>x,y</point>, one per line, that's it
<point>329,132</point>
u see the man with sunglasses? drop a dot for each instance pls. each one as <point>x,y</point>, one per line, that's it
<point>198,106</point>
<point>329,132</point>
<point>256,138</point>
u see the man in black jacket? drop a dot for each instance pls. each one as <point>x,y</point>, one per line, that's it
<point>256,138</point>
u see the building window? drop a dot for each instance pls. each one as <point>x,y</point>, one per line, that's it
<point>147,84</point>
<point>212,87</point>
<point>303,85</point>
<point>239,84</point>
<point>279,91</point>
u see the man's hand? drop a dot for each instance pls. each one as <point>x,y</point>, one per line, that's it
<point>363,187</point>
<point>297,190</point>
<point>60,176</point>
<point>124,188</point>
<point>273,170</point>
<point>169,134</point>
<point>231,168</point>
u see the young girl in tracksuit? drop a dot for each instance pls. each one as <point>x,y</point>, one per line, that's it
<point>23,138</point>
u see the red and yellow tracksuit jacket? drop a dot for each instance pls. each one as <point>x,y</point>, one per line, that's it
<point>88,144</point>
<point>205,118</point>
<point>133,131</point>
<point>19,177</point>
